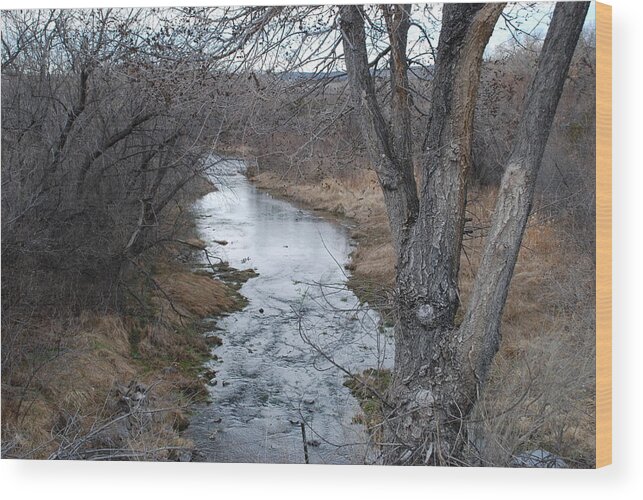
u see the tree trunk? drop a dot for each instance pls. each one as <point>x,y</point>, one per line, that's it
<point>389,161</point>
<point>440,368</point>
<point>481,325</point>
<point>429,392</point>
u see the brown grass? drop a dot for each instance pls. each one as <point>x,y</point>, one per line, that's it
<point>75,367</point>
<point>197,295</point>
<point>93,355</point>
<point>540,392</point>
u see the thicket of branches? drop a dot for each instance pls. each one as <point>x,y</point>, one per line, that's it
<point>108,117</point>
<point>103,126</point>
<point>566,184</point>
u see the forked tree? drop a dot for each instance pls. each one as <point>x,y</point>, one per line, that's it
<point>441,366</point>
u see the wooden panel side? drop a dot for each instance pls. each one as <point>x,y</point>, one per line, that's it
<point>603,234</point>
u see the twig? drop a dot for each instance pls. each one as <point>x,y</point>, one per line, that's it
<point>303,436</point>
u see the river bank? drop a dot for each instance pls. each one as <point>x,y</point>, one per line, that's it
<point>359,201</point>
<point>540,392</point>
<point>121,384</point>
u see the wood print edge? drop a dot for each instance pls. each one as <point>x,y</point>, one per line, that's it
<point>603,234</point>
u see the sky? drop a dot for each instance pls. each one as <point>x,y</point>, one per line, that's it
<point>535,23</point>
<point>522,20</point>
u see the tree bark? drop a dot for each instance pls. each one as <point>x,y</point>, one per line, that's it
<point>395,177</point>
<point>440,368</point>
<point>428,392</point>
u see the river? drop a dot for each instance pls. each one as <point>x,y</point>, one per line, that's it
<point>283,355</point>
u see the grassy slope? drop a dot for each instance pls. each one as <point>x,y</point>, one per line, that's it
<point>82,371</point>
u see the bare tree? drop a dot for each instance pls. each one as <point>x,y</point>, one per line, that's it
<point>441,366</point>
<point>108,118</point>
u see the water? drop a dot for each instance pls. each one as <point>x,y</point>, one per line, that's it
<point>283,356</point>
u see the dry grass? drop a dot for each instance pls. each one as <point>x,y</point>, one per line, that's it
<point>540,393</point>
<point>79,365</point>
<point>76,369</point>
<point>196,295</point>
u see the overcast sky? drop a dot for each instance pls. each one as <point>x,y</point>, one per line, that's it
<point>522,20</point>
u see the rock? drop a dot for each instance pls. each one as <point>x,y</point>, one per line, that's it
<point>309,401</point>
<point>540,459</point>
<point>181,455</point>
<point>261,310</point>
<point>131,402</point>
<point>133,397</point>
<point>179,421</point>
<point>184,456</point>
<point>213,341</point>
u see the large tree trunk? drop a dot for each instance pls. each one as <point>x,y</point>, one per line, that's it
<point>440,368</point>
<point>429,393</point>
